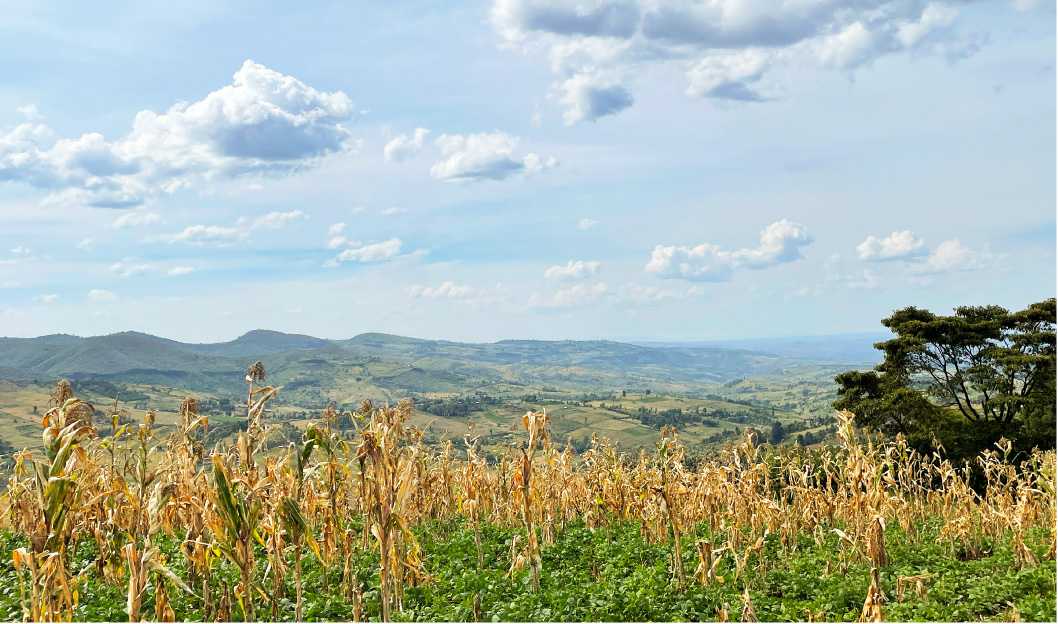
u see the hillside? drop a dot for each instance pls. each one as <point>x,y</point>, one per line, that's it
<point>712,391</point>
<point>135,356</point>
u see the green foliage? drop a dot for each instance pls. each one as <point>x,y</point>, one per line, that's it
<point>965,380</point>
<point>618,576</point>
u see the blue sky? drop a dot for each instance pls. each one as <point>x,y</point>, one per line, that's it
<point>627,169</point>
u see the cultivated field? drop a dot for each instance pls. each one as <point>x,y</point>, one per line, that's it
<point>361,520</point>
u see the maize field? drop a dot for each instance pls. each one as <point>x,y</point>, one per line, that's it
<point>106,522</point>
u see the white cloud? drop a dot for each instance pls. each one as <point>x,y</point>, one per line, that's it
<point>587,98</point>
<point>403,147</point>
<point>573,270</point>
<point>780,242</point>
<point>206,235</point>
<point>335,229</point>
<point>587,224</point>
<point>45,298</point>
<point>483,157</point>
<point>29,111</point>
<point>126,268</point>
<point>446,290</point>
<point>336,242</point>
<point>180,270</point>
<point>356,209</point>
<point>373,252</point>
<point>264,123</point>
<point>728,76</point>
<point>101,295</point>
<point>896,246</point>
<point>726,48</point>
<point>21,250</point>
<point>581,294</point>
<point>392,210</point>
<point>952,255</point>
<point>85,244</point>
<point>271,221</point>
<point>853,46</point>
<point>935,16</point>
<point>133,219</point>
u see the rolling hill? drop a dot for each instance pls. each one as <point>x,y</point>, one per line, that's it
<point>389,365</point>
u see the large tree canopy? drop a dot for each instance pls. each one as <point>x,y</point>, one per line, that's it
<point>992,368</point>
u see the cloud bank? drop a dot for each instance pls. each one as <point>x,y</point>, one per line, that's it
<point>264,123</point>
<point>726,49</point>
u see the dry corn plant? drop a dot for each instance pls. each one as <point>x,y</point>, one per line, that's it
<point>534,423</point>
<point>46,513</point>
<point>872,606</point>
<point>297,527</point>
<point>238,515</point>
<point>390,475</point>
<point>670,455</point>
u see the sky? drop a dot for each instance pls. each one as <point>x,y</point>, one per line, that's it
<point>478,171</point>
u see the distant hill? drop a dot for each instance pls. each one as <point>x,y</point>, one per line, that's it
<point>49,339</point>
<point>260,342</point>
<point>423,366</point>
<point>833,349</point>
<point>678,364</point>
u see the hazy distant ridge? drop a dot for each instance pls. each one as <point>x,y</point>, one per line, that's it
<point>131,356</point>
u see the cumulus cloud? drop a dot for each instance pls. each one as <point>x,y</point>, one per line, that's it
<point>483,156</point>
<point>587,224</point>
<point>574,269</point>
<point>100,295</point>
<point>586,99</point>
<point>180,270</point>
<point>728,76</point>
<point>264,123</point>
<point>335,229</point>
<point>134,219</point>
<point>951,256</point>
<point>45,298</point>
<point>404,147</point>
<point>514,19</point>
<point>21,250</point>
<point>726,48</point>
<point>206,235</point>
<point>392,210</point>
<point>85,244</point>
<point>126,268</point>
<point>372,252</point>
<point>271,221</point>
<point>581,294</point>
<point>896,246</point>
<point>780,242</point>
<point>449,290</point>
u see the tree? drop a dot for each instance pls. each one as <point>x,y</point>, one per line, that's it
<point>778,432</point>
<point>984,370</point>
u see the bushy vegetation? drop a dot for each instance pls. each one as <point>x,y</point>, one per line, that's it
<point>962,382</point>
